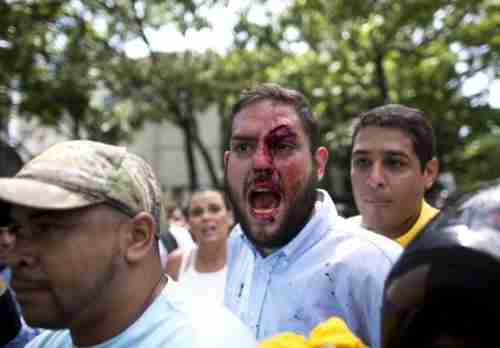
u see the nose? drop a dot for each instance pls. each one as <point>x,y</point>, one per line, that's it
<point>262,158</point>
<point>376,176</point>
<point>205,215</point>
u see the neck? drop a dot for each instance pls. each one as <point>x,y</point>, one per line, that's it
<point>394,232</point>
<point>211,258</point>
<point>266,251</point>
<point>120,309</point>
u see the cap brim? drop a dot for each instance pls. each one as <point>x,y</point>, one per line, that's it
<point>39,195</point>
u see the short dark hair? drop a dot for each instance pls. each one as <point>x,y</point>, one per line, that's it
<point>409,120</point>
<point>275,92</point>
<point>225,200</point>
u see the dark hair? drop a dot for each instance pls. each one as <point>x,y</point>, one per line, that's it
<point>275,92</point>
<point>411,121</point>
<point>225,200</point>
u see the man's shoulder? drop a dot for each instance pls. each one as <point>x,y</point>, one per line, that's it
<point>348,235</point>
<point>216,326</point>
<point>207,324</point>
<point>356,219</point>
<point>174,319</point>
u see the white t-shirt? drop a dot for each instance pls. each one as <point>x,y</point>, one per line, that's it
<point>174,319</point>
<point>207,285</point>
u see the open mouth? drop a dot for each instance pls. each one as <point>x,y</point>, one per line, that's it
<point>209,230</point>
<point>264,203</point>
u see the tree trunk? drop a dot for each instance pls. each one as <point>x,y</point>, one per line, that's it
<point>209,163</point>
<point>187,131</point>
<point>381,78</point>
<point>76,127</point>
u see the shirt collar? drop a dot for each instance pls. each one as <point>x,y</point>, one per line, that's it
<point>427,212</point>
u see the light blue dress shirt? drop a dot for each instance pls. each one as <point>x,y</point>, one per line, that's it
<point>331,268</point>
<point>175,319</point>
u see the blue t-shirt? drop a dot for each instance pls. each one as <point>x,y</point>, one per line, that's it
<point>174,319</point>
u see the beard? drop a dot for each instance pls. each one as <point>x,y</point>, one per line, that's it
<point>293,220</point>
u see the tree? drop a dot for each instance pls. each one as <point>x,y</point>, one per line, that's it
<point>63,64</point>
<point>349,56</point>
<point>178,88</point>
<point>55,54</point>
<point>77,79</point>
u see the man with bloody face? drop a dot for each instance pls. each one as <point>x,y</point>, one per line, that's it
<point>293,262</point>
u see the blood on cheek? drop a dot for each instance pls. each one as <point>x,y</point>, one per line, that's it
<point>292,171</point>
<point>293,177</point>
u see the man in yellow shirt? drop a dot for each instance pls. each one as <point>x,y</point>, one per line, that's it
<point>393,164</point>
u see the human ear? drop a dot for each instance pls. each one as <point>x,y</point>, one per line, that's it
<point>431,172</point>
<point>320,158</point>
<point>140,237</point>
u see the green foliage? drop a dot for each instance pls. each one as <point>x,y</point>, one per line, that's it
<point>57,59</point>
<point>62,62</point>
<point>361,54</point>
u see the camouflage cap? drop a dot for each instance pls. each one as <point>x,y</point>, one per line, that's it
<point>81,173</point>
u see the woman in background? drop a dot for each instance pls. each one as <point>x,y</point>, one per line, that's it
<point>202,269</point>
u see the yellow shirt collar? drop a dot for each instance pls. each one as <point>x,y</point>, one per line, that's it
<point>427,212</point>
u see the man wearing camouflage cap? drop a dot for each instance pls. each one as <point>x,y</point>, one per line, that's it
<point>86,261</point>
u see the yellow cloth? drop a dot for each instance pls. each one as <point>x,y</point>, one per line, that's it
<point>427,212</point>
<point>285,340</point>
<point>332,333</point>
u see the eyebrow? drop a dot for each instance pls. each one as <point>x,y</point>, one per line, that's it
<point>385,153</point>
<point>242,138</point>
<point>360,152</point>
<point>396,153</point>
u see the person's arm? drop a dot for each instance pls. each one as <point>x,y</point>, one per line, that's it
<point>174,262</point>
